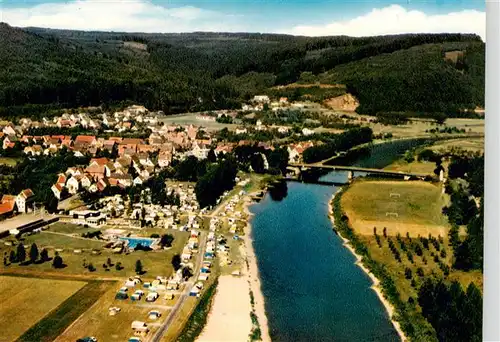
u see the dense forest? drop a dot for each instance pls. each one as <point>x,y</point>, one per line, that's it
<point>42,70</point>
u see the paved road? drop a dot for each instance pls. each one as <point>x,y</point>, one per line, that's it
<point>187,287</point>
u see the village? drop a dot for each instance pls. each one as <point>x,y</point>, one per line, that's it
<point>108,226</point>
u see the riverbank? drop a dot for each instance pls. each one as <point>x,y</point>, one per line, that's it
<point>253,275</point>
<point>229,318</point>
<point>376,283</point>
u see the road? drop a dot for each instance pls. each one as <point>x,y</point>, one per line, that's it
<point>185,294</point>
<point>203,241</point>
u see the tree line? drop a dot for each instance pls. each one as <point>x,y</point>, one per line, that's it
<point>339,142</point>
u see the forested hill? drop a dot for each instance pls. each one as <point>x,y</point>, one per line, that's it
<point>44,68</point>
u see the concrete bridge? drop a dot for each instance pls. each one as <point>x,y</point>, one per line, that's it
<point>353,169</point>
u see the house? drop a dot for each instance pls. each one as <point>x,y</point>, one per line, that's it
<point>283,129</point>
<point>73,184</point>
<point>283,100</point>
<point>34,150</point>
<point>87,140</point>
<point>127,149</point>
<point>61,179</point>
<point>86,180</point>
<point>241,130</point>
<point>307,131</point>
<point>101,185</point>
<point>146,172</point>
<point>261,98</point>
<point>123,162</point>
<point>223,148</point>
<point>192,132</point>
<point>164,159</point>
<point>97,168</point>
<point>9,130</point>
<point>92,218</point>
<point>9,141</point>
<point>24,200</point>
<point>199,151</point>
<point>8,206</point>
<point>57,189</point>
<point>74,171</point>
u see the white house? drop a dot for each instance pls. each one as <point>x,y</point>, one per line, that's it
<point>73,185</point>
<point>307,131</point>
<point>241,130</point>
<point>57,190</point>
<point>261,98</point>
<point>24,200</point>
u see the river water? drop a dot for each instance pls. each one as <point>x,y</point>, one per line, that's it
<point>313,290</point>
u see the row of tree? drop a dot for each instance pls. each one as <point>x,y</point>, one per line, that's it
<point>34,256</point>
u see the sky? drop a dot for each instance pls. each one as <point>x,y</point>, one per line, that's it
<point>299,17</point>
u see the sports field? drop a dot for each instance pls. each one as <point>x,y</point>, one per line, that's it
<point>24,301</point>
<point>414,207</point>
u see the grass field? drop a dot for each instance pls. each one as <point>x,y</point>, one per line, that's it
<point>154,262</point>
<point>98,323</point>
<point>418,206</point>
<point>57,321</point>
<point>70,228</point>
<point>190,119</point>
<point>418,128</point>
<point>9,161</point>
<point>472,145</point>
<point>25,301</point>
<point>423,167</point>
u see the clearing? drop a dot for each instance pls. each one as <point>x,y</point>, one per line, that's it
<point>27,300</point>
<point>413,206</point>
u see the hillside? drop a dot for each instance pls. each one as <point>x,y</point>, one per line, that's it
<point>43,69</point>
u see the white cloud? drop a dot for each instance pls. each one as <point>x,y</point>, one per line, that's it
<point>396,19</point>
<point>125,15</point>
<point>145,16</point>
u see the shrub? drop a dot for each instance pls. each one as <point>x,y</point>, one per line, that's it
<point>410,256</point>
<point>443,253</point>
<point>408,273</point>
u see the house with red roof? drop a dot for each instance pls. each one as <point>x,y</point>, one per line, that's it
<point>85,140</point>
<point>7,206</point>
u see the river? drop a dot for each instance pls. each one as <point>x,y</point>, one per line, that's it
<point>313,290</point>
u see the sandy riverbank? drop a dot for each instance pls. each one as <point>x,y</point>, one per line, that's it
<point>229,318</point>
<point>253,276</point>
<point>376,283</point>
